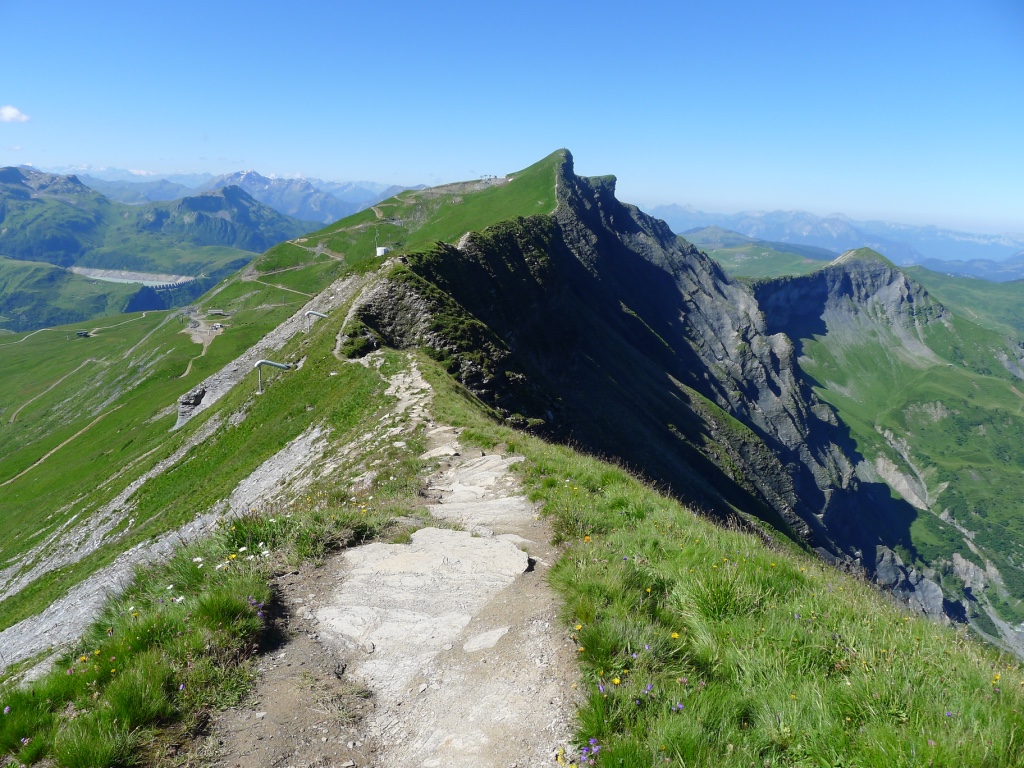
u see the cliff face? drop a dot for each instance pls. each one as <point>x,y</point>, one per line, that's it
<point>598,325</point>
<point>860,292</point>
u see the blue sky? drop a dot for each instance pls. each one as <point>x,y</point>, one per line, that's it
<point>909,111</point>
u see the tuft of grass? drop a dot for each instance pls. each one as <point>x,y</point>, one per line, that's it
<point>93,741</point>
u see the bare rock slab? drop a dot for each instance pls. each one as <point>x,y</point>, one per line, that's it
<point>409,601</point>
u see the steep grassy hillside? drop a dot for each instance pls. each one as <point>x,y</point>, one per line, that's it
<point>418,217</point>
<point>82,418</point>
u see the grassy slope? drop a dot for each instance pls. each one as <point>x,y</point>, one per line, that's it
<point>137,395</point>
<point>157,661</point>
<point>416,218</point>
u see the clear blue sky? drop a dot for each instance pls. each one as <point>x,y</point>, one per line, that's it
<point>910,111</point>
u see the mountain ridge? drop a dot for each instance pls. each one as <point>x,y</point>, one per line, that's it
<point>749,421</point>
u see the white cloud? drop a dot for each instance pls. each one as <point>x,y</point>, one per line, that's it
<point>9,114</point>
<point>142,173</point>
<point>14,148</point>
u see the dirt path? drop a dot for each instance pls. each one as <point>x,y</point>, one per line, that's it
<point>201,333</point>
<point>446,651</point>
<point>23,406</point>
<point>282,288</point>
<point>12,343</point>
<point>52,451</point>
<point>115,325</point>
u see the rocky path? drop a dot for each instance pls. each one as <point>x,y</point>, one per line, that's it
<point>445,651</point>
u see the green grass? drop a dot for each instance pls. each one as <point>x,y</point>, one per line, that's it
<point>179,642</point>
<point>189,488</point>
<point>182,640</point>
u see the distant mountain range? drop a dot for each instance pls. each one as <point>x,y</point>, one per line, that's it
<point>58,219</point>
<point>50,221</point>
<point>292,197</point>
<point>312,200</point>
<point>939,249</point>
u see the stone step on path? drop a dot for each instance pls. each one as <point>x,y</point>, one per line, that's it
<point>457,632</point>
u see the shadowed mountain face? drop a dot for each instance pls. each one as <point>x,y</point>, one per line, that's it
<point>598,325</point>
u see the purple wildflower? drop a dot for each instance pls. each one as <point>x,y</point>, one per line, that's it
<point>7,710</point>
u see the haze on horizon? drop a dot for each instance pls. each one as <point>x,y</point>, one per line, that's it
<point>907,112</point>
